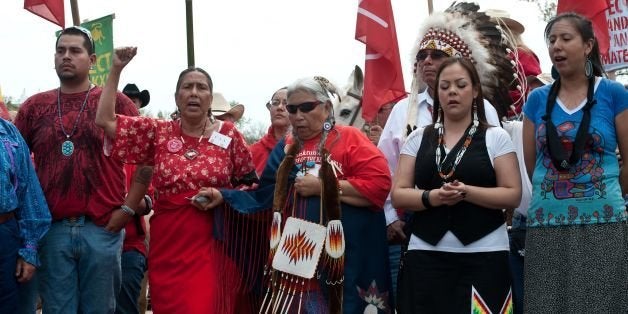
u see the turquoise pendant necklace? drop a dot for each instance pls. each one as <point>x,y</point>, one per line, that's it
<point>67,147</point>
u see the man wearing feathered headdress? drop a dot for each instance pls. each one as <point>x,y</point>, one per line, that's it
<point>461,31</point>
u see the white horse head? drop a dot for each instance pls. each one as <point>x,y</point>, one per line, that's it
<point>349,110</point>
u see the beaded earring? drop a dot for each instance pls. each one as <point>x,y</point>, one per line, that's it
<point>329,123</point>
<point>588,68</point>
<point>439,119</point>
<point>476,121</point>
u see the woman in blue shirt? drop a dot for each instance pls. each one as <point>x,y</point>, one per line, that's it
<point>24,216</point>
<point>577,240</point>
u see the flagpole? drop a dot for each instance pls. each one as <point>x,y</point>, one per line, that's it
<point>189,18</point>
<point>76,20</point>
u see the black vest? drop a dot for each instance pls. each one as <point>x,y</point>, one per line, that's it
<point>467,221</point>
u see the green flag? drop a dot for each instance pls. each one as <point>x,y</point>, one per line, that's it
<point>102,32</point>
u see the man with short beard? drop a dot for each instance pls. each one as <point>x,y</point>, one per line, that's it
<point>80,255</point>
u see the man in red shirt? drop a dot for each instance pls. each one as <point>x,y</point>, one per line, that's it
<point>80,255</point>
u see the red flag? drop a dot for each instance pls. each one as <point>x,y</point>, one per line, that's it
<point>594,10</point>
<point>383,78</point>
<point>51,10</point>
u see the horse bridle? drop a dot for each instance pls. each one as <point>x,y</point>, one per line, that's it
<point>355,114</point>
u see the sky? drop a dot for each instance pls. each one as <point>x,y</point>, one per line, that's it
<point>250,48</point>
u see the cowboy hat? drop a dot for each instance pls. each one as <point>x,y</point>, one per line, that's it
<point>543,78</point>
<point>131,91</point>
<point>504,18</point>
<point>221,108</point>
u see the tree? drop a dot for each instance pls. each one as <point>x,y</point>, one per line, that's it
<point>250,129</point>
<point>546,7</point>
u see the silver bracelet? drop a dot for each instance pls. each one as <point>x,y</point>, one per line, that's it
<point>127,210</point>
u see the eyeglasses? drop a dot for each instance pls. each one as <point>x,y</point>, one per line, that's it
<point>434,54</point>
<point>277,102</point>
<point>303,107</point>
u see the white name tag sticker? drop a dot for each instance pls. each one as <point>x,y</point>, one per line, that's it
<point>220,140</point>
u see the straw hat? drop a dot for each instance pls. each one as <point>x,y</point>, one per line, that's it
<point>504,18</point>
<point>221,108</point>
<point>545,78</point>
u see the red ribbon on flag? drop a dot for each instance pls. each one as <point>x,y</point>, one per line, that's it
<point>594,10</point>
<point>51,10</point>
<point>383,78</point>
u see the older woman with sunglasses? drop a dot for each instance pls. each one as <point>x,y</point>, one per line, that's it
<point>577,236</point>
<point>322,178</point>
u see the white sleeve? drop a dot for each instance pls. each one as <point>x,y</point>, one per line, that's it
<point>498,143</point>
<point>389,144</point>
<point>412,144</point>
<point>491,114</point>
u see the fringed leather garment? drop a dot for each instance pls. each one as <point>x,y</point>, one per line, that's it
<point>303,264</point>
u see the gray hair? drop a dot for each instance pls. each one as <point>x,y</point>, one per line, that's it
<point>318,86</point>
<point>323,91</point>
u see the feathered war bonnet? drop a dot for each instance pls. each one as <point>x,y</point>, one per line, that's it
<point>461,31</point>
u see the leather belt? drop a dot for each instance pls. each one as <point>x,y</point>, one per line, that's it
<point>6,217</point>
<point>74,219</point>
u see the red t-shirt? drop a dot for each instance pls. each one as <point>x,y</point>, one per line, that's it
<point>86,182</point>
<point>356,160</point>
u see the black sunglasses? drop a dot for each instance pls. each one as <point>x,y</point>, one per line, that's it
<point>435,54</point>
<point>303,107</point>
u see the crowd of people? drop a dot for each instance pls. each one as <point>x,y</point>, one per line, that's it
<point>316,217</point>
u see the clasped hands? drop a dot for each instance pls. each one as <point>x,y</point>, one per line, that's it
<point>449,194</point>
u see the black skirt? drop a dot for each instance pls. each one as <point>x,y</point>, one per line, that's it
<point>443,282</point>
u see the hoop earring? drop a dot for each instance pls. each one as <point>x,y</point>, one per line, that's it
<point>588,68</point>
<point>555,74</point>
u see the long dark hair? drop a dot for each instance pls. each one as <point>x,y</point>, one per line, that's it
<point>585,28</point>
<point>475,82</point>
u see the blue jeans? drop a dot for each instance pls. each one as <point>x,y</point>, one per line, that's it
<point>516,258</point>
<point>29,295</point>
<point>133,268</point>
<point>80,268</point>
<point>9,236</point>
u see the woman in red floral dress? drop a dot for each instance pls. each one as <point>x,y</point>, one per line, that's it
<point>186,262</point>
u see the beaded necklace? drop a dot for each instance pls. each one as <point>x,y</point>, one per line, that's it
<point>441,161</point>
<point>67,147</point>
